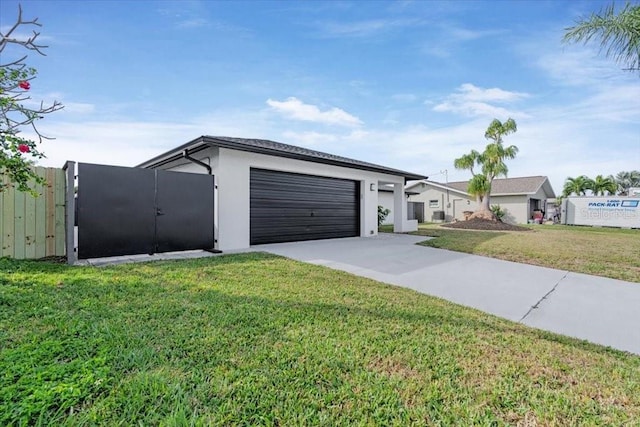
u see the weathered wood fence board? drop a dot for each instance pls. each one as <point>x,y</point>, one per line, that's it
<point>34,227</point>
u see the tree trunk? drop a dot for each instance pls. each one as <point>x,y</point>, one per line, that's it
<point>484,206</point>
<point>484,209</point>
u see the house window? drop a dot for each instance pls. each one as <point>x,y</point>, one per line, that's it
<point>434,203</point>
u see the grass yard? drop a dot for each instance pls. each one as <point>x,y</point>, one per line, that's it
<point>608,252</point>
<point>255,339</point>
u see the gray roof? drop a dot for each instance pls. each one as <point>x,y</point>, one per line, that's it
<point>273,148</point>
<point>509,186</point>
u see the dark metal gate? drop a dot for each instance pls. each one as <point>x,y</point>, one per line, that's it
<point>125,211</point>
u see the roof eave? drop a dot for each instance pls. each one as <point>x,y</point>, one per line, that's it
<point>170,155</point>
<point>512,194</point>
<point>209,141</point>
<point>446,187</point>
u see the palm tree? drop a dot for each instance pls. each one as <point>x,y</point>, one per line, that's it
<point>578,186</point>
<point>490,161</point>
<point>626,180</point>
<point>468,161</point>
<point>619,34</point>
<point>601,185</point>
<point>478,187</point>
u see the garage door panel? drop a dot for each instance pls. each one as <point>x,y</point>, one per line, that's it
<point>312,198</point>
<point>295,235</point>
<point>297,212</point>
<point>317,222</point>
<point>289,207</point>
<point>305,229</point>
<point>305,189</point>
<point>300,180</point>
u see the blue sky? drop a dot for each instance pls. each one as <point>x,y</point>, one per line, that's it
<point>407,84</point>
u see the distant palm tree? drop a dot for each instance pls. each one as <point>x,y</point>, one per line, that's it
<point>626,180</point>
<point>601,185</point>
<point>578,186</point>
<point>619,34</point>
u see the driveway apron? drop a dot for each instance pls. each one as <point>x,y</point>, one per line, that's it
<point>600,310</point>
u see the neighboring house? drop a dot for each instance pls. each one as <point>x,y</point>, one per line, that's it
<point>268,192</point>
<point>518,197</point>
<point>385,199</point>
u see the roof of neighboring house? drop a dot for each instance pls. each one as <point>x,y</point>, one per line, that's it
<point>502,186</point>
<point>273,148</point>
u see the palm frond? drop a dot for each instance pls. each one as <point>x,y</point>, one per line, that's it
<point>619,34</point>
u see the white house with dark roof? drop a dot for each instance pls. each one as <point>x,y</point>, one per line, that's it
<point>518,197</point>
<point>268,192</point>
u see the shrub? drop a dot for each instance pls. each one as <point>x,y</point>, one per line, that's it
<point>382,214</point>
<point>498,211</point>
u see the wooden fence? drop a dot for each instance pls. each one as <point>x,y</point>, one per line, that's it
<point>34,227</point>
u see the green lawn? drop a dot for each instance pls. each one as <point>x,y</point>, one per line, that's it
<point>608,252</point>
<point>255,339</point>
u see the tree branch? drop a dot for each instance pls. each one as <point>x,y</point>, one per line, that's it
<point>30,42</point>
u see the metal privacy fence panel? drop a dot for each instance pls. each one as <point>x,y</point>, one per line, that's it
<point>116,211</point>
<point>126,211</point>
<point>184,215</point>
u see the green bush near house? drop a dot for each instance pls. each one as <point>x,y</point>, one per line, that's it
<point>498,211</point>
<point>382,214</point>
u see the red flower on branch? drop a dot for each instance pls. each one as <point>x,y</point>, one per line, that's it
<point>24,148</point>
<point>25,85</point>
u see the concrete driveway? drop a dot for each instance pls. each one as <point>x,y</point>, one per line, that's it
<point>600,310</point>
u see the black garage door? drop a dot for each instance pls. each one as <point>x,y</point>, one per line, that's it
<point>287,207</point>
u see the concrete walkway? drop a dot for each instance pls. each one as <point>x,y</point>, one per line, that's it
<point>600,310</point>
<point>127,259</point>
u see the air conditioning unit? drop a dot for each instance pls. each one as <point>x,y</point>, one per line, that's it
<point>437,216</point>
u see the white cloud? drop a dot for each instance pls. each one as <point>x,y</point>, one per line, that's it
<point>445,42</point>
<point>333,142</point>
<point>473,109</point>
<point>193,23</point>
<point>466,34</point>
<point>79,107</point>
<point>577,67</point>
<point>436,51</point>
<point>473,101</point>
<point>114,143</point>
<point>470,92</point>
<point>295,109</point>
<point>127,143</point>
<point>364,28</point>
<point>404,97</point>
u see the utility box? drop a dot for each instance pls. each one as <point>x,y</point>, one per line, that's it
<point>437,216</point>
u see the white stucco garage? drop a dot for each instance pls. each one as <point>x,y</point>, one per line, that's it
<point>268,192</point>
